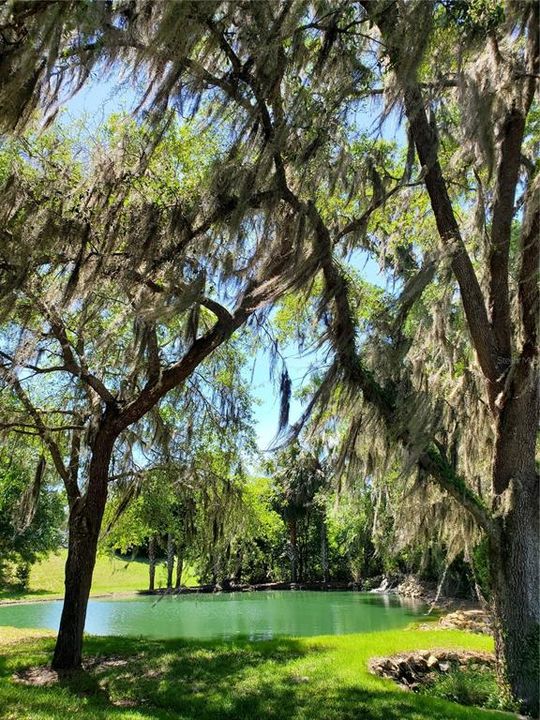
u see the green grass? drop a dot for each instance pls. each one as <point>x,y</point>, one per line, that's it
<point>469,686</point>
<point>323,678</point>
<point>111,575</point>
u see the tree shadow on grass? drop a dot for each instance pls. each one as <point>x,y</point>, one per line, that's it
<point>15,594</point>
<point>279,679</point>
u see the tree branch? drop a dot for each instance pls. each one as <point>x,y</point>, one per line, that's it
<point>219,310</point>
<point>78,369</point>
<point>426,144</point>
<point>360,222</point>
<point>71,489</point>
<point>529,291</point>
<point>383,398</point>
<point>501,230</point>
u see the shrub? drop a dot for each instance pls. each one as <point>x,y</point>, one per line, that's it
<point>468,686</point>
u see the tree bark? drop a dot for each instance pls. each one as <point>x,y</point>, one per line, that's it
<point>293,550</point>
<point>324,550</point>
<point>85,519</point>
<point>515,548</point>
<point>170,561</point>
<point>152,563</point>
<point>179,567</point>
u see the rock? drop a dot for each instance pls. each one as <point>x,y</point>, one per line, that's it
<point>412,671</point>
<point>475,620</point>
<point>411,587</point>
<point>383,587</point>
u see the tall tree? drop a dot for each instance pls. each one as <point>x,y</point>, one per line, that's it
<point>295,76</point>
<point>506,344</point>
<point>113,304</point>
<point>297,477</point>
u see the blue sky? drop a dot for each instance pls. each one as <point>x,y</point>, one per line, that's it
<point>103,96</point>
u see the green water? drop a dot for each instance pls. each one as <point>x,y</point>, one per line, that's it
<point>257,615</point>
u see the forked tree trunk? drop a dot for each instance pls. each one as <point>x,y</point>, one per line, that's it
<point>515,549</point>
<point>170,561</point>
<point>152,563</point>
<point>85,519</point>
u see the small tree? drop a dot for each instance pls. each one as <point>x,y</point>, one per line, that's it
<point>297,478</point>
<point>31,512</point>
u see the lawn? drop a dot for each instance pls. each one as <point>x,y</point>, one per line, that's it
<point>111,575</point>
<point>323,678</point>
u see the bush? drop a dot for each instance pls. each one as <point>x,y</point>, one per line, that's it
<point>22,575</point>
<point>469,686</point>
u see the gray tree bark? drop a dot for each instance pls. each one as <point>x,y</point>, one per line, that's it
<point>152,563</point>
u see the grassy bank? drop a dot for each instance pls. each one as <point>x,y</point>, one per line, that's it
<point>111,575</point>
<point>323,678</point>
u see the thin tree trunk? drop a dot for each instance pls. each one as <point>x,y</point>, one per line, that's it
<point>85,519</point>
<point>152,563</point>
<point>170,561</point>
<point>239,567</point>
<point>293,550</point>
<point>514,549</point>
<point>179,567</point>
<point>324,550</point>
<point>301,555</point>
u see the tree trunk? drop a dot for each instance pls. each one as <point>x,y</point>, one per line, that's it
<point>179,567</point>
<point>170,561</point>
<point>152,563</point>
<point>293,550</point>
<point>324,550</point>
<point>514,548</point>
<point>239,567</point>
<point>85,518</point>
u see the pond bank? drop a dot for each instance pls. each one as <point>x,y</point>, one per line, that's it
<point>246,587</point>
<point>401,587</point>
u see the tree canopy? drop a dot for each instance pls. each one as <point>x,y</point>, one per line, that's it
<point>169,236</point>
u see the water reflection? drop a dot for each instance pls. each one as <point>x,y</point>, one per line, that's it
<point>257,615</point>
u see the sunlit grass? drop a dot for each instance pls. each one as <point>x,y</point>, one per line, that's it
<point>111,575</point>
<point>323,678</point>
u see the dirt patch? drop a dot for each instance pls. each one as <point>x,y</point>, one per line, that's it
<point>43,675</point>
<point>37,676</point>
<point>110,661</point>
<point>125,703</point>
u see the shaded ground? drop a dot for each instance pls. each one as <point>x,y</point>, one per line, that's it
<point>322,678</point>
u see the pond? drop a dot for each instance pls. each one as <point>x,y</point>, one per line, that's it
<point>257,615</point>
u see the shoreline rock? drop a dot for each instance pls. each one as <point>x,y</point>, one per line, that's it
<point>413,669</point>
